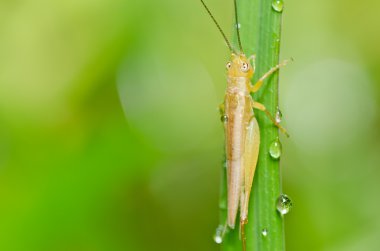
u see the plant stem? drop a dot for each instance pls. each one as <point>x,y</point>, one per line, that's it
<point>260,34</point>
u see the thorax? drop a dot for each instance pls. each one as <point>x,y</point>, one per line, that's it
<point>238,86</point>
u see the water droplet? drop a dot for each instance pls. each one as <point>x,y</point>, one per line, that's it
<point>278,115</point>
<point>278,5</point>
<point>275,149</point>
<point>218,237</point>
<point>238,26</point>
<point>224,118</point>
<point>284,204</point>
<point>264,232</point>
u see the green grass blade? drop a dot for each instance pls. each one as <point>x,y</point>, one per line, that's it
<point>260,34</point>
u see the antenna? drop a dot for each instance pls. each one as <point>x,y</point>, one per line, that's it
<point>217,25</point>
<point>237,26</point>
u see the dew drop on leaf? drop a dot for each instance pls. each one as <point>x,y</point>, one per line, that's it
<point>284,204</point>
<point>278,5</point>
<point>224,118</point>
<point>264,232</point>
<point>278,117</point>
<point>218,237</point>
<point>275,149</point>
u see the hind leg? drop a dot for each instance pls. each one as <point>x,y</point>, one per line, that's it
<point>261,107</point>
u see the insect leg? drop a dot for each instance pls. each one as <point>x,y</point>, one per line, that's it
<point>224,230</point>
<point>259,83</point>
<point>243,238</point>
<point>261,107</point>
<point>252,59</point>
<point>221,109</point>
<point>244,221</point>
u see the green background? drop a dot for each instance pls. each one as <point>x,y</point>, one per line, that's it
<point>110,136</point>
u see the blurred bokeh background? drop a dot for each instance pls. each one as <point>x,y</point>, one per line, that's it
<point>110,137</point>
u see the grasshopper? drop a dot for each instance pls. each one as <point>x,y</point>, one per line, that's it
<point>242,130</point>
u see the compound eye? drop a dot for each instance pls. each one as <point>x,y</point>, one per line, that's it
<point>244,67</point>
<point>228,66</point>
